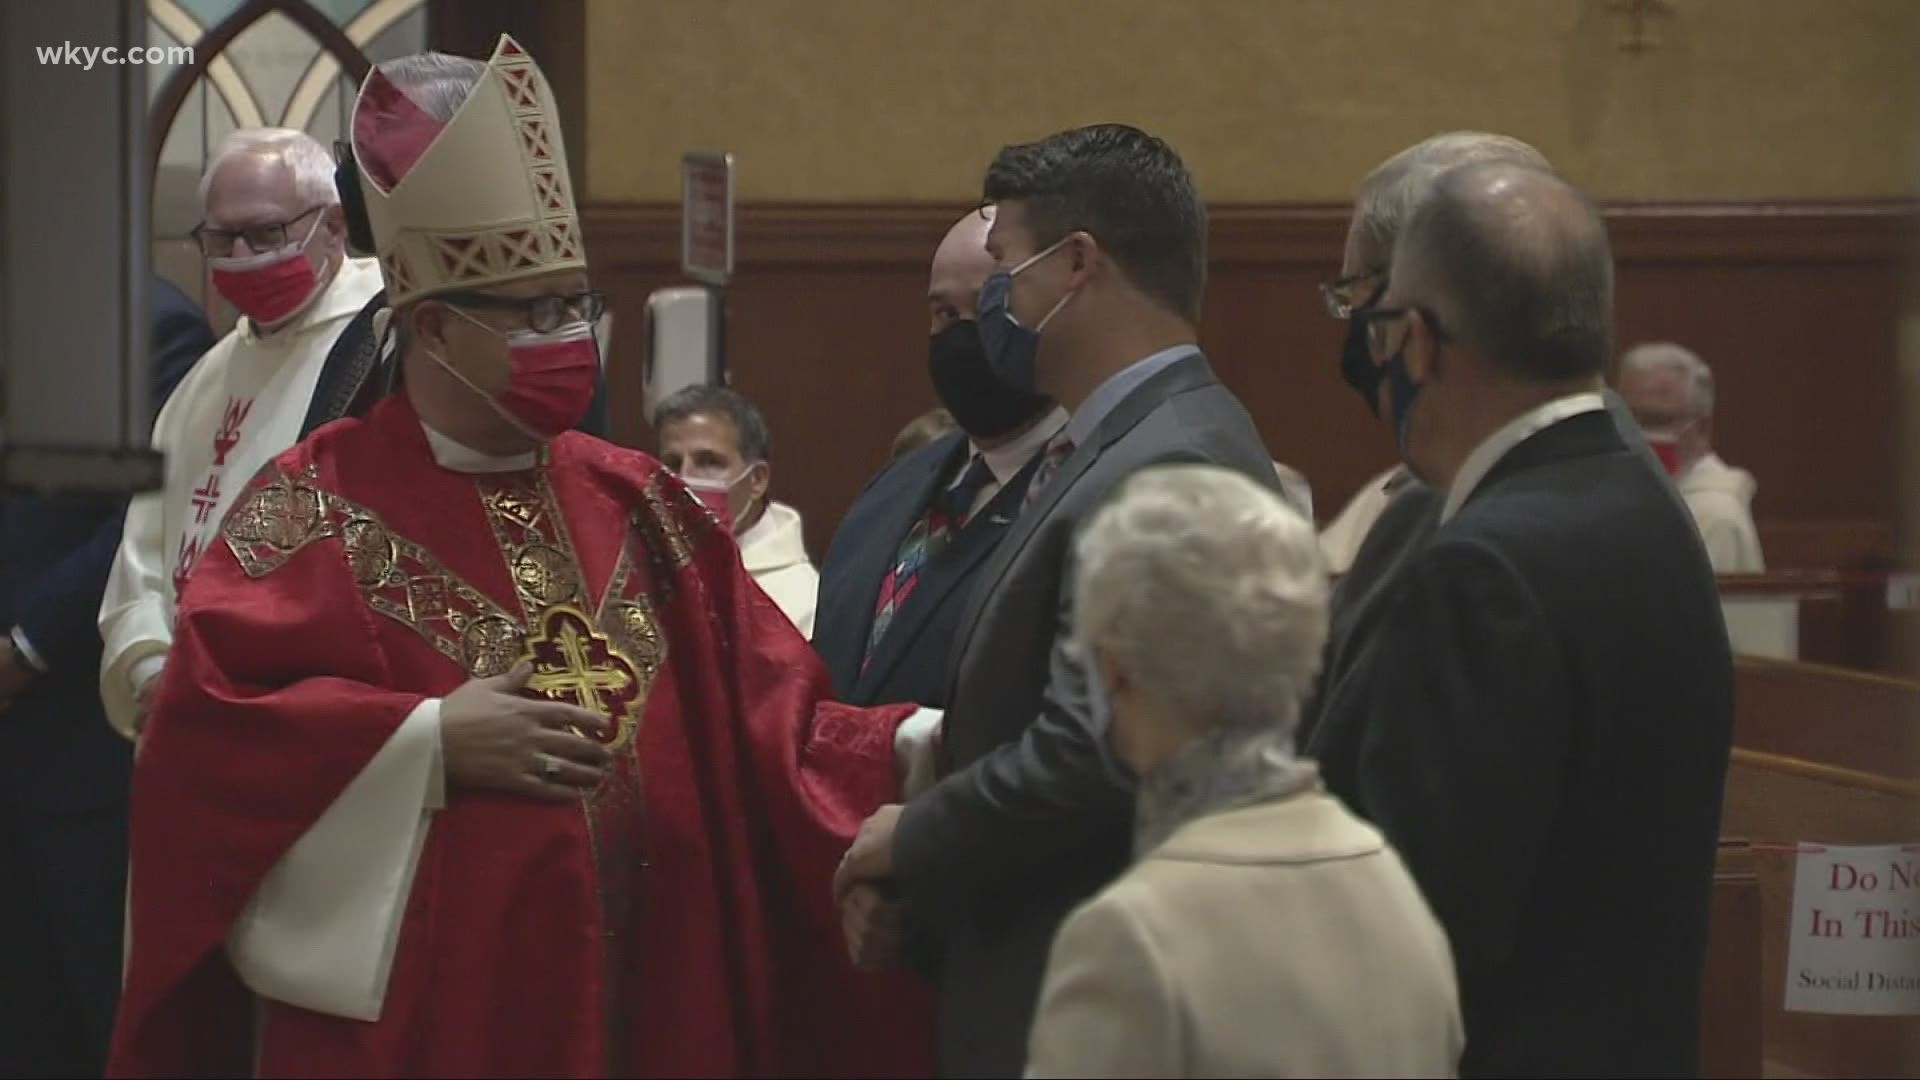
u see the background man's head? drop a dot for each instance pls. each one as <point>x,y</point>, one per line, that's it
<point>1200,601</point>
<point>984,406</point>
<point>711,436</point>
<point>960,266</point>
<point>269,192</point>
<point>1670,390</point>
<point>1388,195</point>
<point>1121,226</point>
<point>1500,296</point>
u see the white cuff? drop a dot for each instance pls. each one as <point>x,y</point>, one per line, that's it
<point>913,751</point>
<point>321,931</point>
<point>146,670</point>
<point>27,652</point>
<point>427,715</point>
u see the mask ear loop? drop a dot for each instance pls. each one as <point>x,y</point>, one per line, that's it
<point>498,408</point>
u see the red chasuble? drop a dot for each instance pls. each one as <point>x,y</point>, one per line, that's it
<point>677,922</point>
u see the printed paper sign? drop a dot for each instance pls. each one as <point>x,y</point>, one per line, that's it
<point>706,217</point>
<point>1854,944</point>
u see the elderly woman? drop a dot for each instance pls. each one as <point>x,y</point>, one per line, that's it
<point>1263,930</point>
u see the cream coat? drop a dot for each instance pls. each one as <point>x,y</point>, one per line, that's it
<point>1279,939</point>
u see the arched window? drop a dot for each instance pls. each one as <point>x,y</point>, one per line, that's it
<point>256,63</point>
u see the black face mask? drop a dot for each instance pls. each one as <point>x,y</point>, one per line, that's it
<point>980,404</point>
<point>1357,368</point>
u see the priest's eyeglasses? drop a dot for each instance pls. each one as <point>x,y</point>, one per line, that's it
<point>267,236</point>
<point>544,314</point>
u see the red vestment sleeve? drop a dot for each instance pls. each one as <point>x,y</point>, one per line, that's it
<point>269,706</point>
<point>807,771</point>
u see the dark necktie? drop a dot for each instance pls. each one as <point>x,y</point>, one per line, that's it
<point>928,536</point>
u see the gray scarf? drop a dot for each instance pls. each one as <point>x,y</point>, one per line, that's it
<point>1222,770</point>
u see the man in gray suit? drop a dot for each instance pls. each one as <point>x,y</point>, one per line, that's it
<point>1102,241</point>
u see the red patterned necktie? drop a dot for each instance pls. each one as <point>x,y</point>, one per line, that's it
<point>923,542</point>
<point>1056,452</point>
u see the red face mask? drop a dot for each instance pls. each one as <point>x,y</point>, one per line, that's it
<point>551,384</point>
<point>269,286</point>
<point>717,501</point>
<point>550,381</point>
<point>717,493</point>
<point>1667,449</point>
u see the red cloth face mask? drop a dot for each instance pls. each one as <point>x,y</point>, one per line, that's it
<point>551,384</point>
<point>717,493</point>
<point>1667,449</point>
<point>269,286</point>
<point>550,381</point>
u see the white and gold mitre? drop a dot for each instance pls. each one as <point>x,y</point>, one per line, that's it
<point>478,200</point>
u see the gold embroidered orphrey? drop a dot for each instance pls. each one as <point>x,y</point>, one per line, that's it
<point>606,664</point>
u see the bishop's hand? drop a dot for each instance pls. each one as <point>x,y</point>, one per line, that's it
<point>497,740</point>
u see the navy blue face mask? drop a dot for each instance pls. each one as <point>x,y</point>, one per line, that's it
<point>1357,368</point>
<point>1403,390</point>
<point>1009,346</point>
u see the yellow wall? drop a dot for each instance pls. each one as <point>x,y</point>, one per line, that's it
<point>1267,99</point>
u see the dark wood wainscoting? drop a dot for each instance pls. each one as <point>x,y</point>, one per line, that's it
<point>1794,306</point>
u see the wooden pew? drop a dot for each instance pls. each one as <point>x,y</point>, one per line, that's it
<point>1836,617</point>
<point>1839,543</point>
<point>1820,754</point>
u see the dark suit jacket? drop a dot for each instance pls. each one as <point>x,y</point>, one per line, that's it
<point>355,376</point>
<point>55,554</point>
<point>1540,723</point>
<point>913,661</point>
<point>1032,817</point>
<point>1403,527</point>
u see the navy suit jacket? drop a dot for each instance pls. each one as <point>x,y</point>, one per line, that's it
<point>1538,718</point>
<point>914,659</point>
<point>55,554</point>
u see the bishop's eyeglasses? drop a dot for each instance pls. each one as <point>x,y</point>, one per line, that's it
<point>544,314</point>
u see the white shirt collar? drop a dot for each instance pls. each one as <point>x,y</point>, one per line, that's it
<point>1006,461</point>
<point>1512,434</point>
<point>460,458</point>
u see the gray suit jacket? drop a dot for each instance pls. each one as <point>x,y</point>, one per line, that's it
<point>1032,816</point>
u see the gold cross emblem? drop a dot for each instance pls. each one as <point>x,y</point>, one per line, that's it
<point>575,664</point>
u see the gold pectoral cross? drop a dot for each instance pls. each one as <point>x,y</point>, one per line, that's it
<point>575,664</point>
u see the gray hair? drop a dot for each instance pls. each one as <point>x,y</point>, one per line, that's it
<point>1209,591</point>
<point>437,82</point>
<point>1390,192</point>
<point>301,153</point>
<point>701,399</point>
<point>1680,360</point>
<point>1515,265</point>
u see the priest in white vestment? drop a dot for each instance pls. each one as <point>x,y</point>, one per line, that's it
<point>718,443</point>
<point>275,241</point>
<point>1670,390</point>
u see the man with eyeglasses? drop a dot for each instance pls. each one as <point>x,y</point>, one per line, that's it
<point>1394,513</point>
<point>1539,716</point>
<point>273,240</point>
<point>480,753</point>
